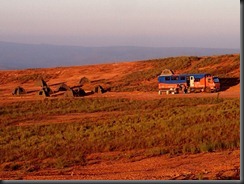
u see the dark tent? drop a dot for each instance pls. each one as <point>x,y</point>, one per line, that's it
<point>42,93</point>
<point>18,91</point>
<point>75,92</point>
<point>84,80</point>
<point>99,89</point>
<point>78,91</point>
<point>47,89</point>
<point>62,87</point>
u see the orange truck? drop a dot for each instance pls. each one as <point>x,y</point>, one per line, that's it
<point>188,83</point>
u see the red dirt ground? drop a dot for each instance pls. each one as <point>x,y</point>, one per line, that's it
<point>215,165</point>
<point>210,166</point>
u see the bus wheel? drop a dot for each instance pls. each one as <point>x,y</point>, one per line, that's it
<point>184,89</point>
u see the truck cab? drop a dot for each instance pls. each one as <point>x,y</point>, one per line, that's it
<point>212,83</point>
<point>216,83</point>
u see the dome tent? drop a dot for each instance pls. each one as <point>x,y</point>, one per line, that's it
<point>18,91</point>
<point>62,87</point>
<point>84,80</point>
<point>167,72</point>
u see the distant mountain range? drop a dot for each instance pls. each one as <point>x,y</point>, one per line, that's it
<point>21,56</point>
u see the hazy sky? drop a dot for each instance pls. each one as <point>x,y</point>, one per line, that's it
<point>164,23</point>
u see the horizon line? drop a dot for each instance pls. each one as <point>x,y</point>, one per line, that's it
<point>139,46</point>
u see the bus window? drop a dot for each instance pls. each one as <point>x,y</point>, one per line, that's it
<point>175,78</point>
<point>216,79</point>
<point>182,78</point>
<point>167,78</point>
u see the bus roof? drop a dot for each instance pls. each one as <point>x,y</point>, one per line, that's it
<point>200,75</point>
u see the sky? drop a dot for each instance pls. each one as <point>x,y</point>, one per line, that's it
<point>148,23</point>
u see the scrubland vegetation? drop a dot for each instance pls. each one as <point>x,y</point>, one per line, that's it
<point>32,138</point>
<point>146,128</point>
<point>213,65</point>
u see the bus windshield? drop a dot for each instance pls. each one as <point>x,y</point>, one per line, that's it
<point>216,79</point>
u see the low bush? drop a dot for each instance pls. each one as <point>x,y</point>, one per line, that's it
<point>173,125</point>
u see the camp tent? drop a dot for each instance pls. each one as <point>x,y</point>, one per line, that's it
<point>75,92</point>
<point>167,72</point>
<point>69,93</point>
<point>41,82</point>
<point>99,89</point>
<point>42,93</point>
<point>47,89</point>
<point>18,91</point>
<point>78,91</point>
<point>62,87</point>
<point>84,80</point>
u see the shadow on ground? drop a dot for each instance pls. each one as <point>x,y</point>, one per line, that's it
<point>226,83</point>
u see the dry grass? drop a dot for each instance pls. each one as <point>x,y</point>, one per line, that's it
<point>175,126</point>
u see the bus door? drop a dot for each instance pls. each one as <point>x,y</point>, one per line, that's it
<point>191,81</point>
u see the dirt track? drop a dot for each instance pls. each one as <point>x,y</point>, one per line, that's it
<point>155,95</point>
<point>210,166</point>
<point>132,95</point>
